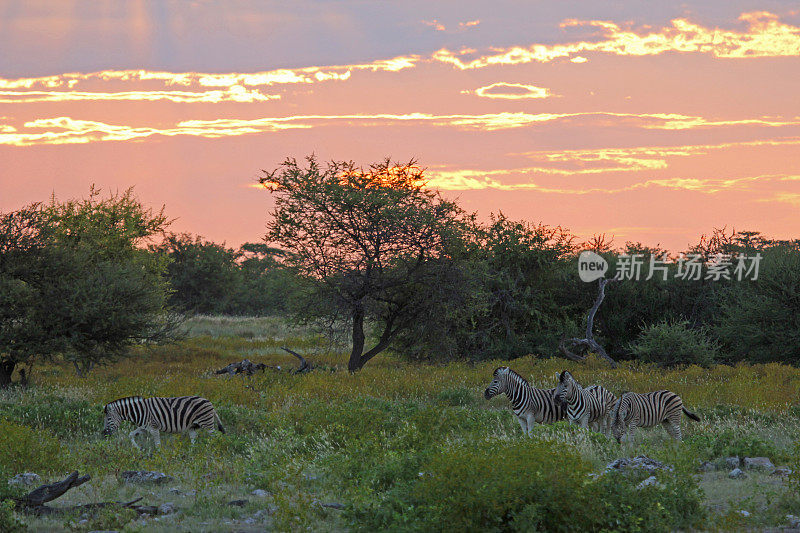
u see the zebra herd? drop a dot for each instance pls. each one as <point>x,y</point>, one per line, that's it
<point>592,407</point>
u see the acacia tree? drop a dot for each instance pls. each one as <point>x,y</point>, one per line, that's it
<point>76,282</point>
<point>373,239</point>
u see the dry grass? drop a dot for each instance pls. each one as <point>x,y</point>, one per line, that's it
<point>325,435</point>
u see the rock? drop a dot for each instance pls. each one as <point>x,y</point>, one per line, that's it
<point>758,463</point>
<point>649,482</point>
<point>260,492</point>
<point>166,508</point>
<point>744,513</point>
<point>732,462</point>
<point>238,503</point>
<point>179,492</point>
<point>736,473</point>
<point>249,521</point>
<point>144,476</point>
<point>706,466</point>
<point>638,462</point>
<point>794,521</point>
<point>782,471</point>
<point>24,480</point>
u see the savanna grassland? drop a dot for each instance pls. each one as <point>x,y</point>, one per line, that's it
<point>400,446</point>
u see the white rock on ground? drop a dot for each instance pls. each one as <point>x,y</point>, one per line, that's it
<point>760,463</point>
<point>26,479</point>
<point>144,476</point>
<point>781,471</point>
<point>737,473</point>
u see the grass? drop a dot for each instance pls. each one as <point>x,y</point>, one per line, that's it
<point>364,439</point>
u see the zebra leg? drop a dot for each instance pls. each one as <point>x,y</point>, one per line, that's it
<point>673,429</point>
<point>531,419</point>
<point>156,435</point>
<point>523,423</point>
<point>133,434</point>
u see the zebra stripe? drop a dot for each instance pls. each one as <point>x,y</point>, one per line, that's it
<point>528,403</point>
<point>647,410</point>
<point>585,407</point>
<point>170,415</point>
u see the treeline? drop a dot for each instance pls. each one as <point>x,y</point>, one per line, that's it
<point>211,279</point>
<point>377,256</point>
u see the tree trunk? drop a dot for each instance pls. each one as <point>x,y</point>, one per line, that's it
<point>589,341</point>
<point>356,362</point>
<point>6,369</point>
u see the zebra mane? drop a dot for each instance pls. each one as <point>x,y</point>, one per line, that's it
<point>516,377</point>
<point>120,400</point>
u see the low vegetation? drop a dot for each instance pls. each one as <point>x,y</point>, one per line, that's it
<point>401,446</point>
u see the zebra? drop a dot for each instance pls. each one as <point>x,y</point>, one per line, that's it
<point>647,410</point>
<point>585,407</point>
<point>171,415</point>
<point>528,403</point>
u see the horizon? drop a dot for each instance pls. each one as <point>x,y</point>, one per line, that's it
<point>651,124</point>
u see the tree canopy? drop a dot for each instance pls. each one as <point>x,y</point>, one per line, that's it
<point>77,282</point>
<point>372,238</point>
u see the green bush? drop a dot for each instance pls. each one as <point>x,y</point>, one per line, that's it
<point>670,343</point>
<point>24,450</point>
<point>9,522</point>
<point>64,417</point>
<point>728,443</point>
<point>527,485</point>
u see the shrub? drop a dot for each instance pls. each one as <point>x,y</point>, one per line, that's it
<point>9,523</point>
<point>23,449</point>
<point>670,343</point>
<point>527,486</point>
<point>728,443</point>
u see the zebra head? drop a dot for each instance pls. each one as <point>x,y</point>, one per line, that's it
<point>111,419</point>
<point>620,413</point>
<point>565,390</point>
<point>499,383</point>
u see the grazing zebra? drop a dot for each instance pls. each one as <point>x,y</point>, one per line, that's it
<point>528,403</point>
<point>585,407</point>
<point>171,415</point>
<point>647,410</point>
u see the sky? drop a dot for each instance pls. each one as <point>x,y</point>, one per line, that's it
<point>652,122</point>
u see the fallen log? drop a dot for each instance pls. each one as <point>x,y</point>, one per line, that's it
<point>304,365</point>
<point>34,502</point>
<point>243,367</point>
<point>249,368</point>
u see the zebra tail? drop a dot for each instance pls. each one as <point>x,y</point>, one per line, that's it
<point>220,427</point>
<point>690,414</point>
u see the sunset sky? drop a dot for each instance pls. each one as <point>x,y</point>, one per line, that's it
<point>648,121</point>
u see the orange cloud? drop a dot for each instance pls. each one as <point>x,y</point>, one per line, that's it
<point>435,24</point>
<point>510,91</point>
<point>459,180</point>
<point>204,79</point>
<point>234,93</point>
<point>636,159</point>
<point>67,130</point>
<point>766,36</point>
